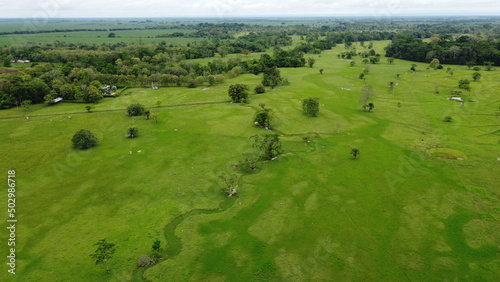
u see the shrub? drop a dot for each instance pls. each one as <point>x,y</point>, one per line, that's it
<point>249,162</point>
<point>263,118</point>
<point>144,261</point>
<point>448,119</point>
<point>268,145</point>
<point>310,106</point>
<point>199,80</point>
<point>84,139</point>
<point>219,78</point>
<point>476,76</point>
<point>132,132</point>
<point>136,110</point>
<point>238,93</point>
<point>211,80</point>
<point>259,89</point>
<point>192,83</point>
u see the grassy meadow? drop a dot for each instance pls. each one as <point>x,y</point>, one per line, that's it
<point>419,204</point>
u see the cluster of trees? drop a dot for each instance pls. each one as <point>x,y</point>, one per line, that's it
<point>463,50</point>
<point>81,73</point>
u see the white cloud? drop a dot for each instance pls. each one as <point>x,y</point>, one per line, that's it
<point>222,8</point>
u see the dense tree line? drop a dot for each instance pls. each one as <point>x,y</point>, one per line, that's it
<point>466,49</point>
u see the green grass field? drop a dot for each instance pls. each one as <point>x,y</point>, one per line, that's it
<point>406,210</point>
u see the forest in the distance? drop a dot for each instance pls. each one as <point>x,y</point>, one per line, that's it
<point>66,70</point>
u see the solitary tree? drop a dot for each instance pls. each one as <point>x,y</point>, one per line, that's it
<point>374,60</point>
<point>147,114</point>
<point>311,61</point>
<point>352,63</point>
<point>390,60</point>
<point>269,145</point>
<point>371,106</point>
<point>476,76</point>
<point>355,152</point>
<point>310,106</point>
<point>391,86</point>
<point>434,63</point>
<point>464,84</point>
<point>238,93</point>
<point>272,77</point>
<point>104,252</point>
<point>132,132</point>
<point>259,89</point>
<point>84,139</point>
<point>156,250</point>
<point>249,162</point>
<point>89,108</point>
<point>230,183</point>
<point>136,110</point>
<point>263,117</point>
<point>366,94</point>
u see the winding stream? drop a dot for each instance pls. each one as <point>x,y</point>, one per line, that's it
<point>174,244</point>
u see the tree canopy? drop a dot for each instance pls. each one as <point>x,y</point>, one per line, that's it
<point>84,139</point>
<point>310,106</point>
<point>238,93</point>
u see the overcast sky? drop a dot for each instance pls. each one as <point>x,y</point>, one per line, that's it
<point>231,8</point>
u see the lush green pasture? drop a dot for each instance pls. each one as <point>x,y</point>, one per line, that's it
<point>406,210</point>
<point>95,37</point>
<point>142,35</point>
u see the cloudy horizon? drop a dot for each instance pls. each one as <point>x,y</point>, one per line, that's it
<point>240,8</point>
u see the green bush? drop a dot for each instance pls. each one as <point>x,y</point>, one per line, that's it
<point>84,139</point>
<point>259,89</point>
<point>238,93</point>
<point>136,110</point>
<point>132,132</point>
<point>310,106</point>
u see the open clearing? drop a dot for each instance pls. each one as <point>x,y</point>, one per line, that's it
<point>400,212</point>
